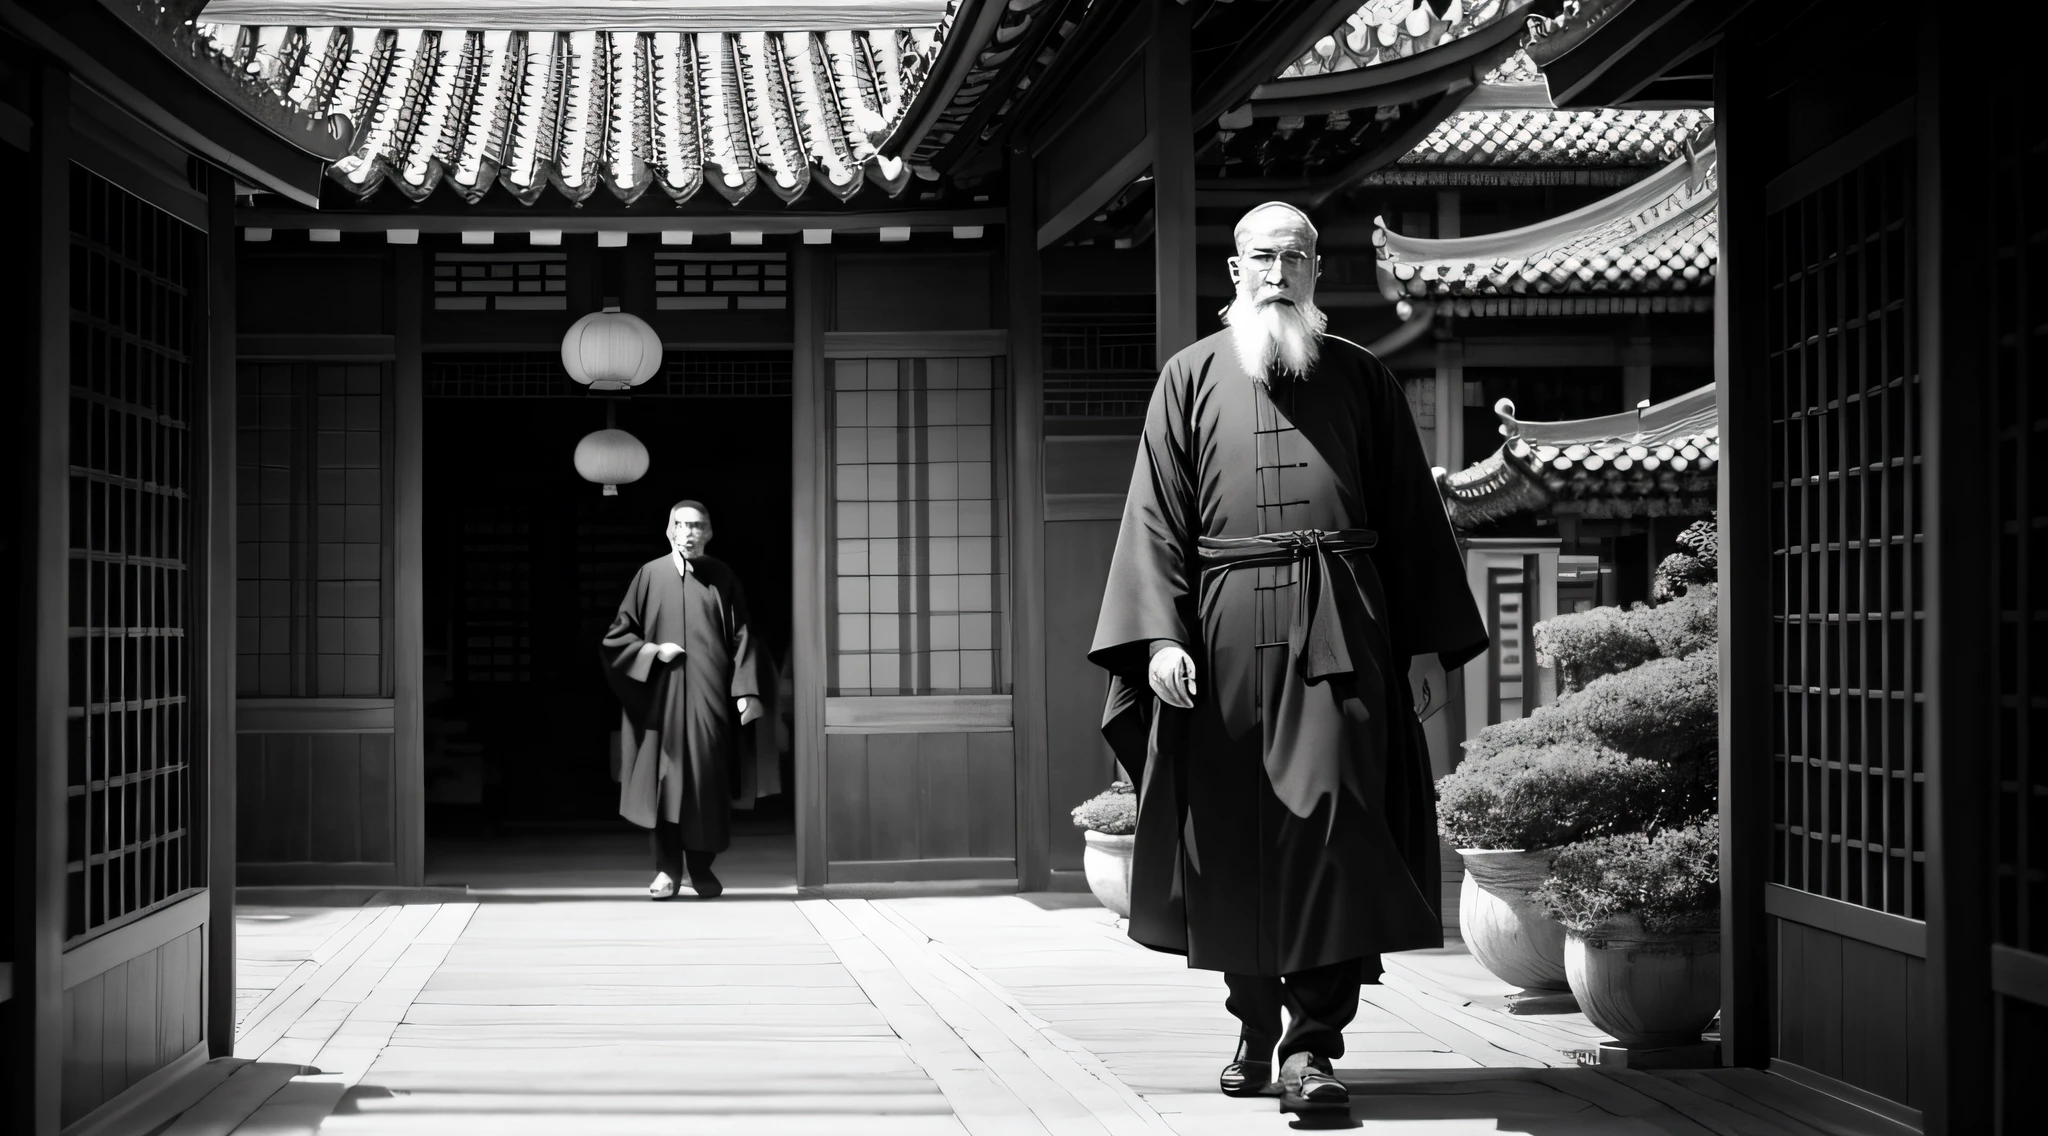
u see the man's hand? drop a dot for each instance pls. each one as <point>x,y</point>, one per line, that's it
<point>1428,686</point>
<point>1172,675</point>
<point>668,652</point>
<point>750,709</point>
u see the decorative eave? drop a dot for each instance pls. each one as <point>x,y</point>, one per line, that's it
<point>171,28</point>
<point>1532,139</point>
<point>1653,246</point>
<point>1654,461</point>
<point>1355,104</point>
<point>1610,52</point>
<point>630,108</point>
<point>1022,39</point>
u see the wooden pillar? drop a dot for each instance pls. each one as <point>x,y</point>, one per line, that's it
<point>1450,404</point>
<point>812,294</point>
<point>1635,372</point>
<point>1169,96</point>
<point>1449,214</point>
<point>1743,398</point>
<point>39,959</point>
<point>1027,528</point>
<point>408,569</point>
<point>1956,337</point>
<point>216,665</point>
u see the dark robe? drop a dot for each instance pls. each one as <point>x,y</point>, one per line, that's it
<point>1288,820</point>
<point>680,747</point>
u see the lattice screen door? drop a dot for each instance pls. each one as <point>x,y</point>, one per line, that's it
<point>134,384</point>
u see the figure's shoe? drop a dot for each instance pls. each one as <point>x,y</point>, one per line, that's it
<point>705,884</point>
<point>1308,1087</point>
<point>1247,1075</point>
<point>662,887</point>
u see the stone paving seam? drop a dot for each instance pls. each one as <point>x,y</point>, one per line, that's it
<point>984,1105</point>
<point>1070,1053</point>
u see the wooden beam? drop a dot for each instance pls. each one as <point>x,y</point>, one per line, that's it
<point>811,283</point>
<point>1169,97</point>
<point>1028,708</point>
<point>585,15</point>
<point>477,220</point>
<point>38,988</point>
<point>408,569</point>
<point>1284,44</point>
<point>215,665</point>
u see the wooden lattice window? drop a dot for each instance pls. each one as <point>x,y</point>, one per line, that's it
<point>918,584</point>
<point>2019,487</point>
<point>312,534</point>
<point>128,832</point>
<point>1846,534</point>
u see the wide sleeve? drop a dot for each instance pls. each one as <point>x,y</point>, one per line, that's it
<point>746,676</point>
<point>627,653</point>
<point>1429,605</point>
<point>1149,595</point>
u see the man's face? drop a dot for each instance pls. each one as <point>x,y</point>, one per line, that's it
<point>688,532</point>
<point>1276,260</point>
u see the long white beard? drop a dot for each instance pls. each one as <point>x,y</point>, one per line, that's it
<point>1276,336</point>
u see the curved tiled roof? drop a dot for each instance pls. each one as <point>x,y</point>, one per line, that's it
<point>1381,31</point>
<point>576,109</point>
<point>1657,461</point>
<point>1651,246</point>
<point>1539,137</point>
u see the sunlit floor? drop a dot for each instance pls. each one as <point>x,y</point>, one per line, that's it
<point>535,989</point>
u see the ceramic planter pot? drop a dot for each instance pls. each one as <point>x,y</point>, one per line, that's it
<point>1646,990</point>
<point>1502,926</point>
<point>1107,861</point>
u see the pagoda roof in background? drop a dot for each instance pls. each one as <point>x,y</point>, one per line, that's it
<point>670,95</point>
<point>1655,461</point>
<point>1650,247</point>
<point>1384,31</point>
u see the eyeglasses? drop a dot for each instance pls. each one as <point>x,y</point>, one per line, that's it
<point>1264,261</point>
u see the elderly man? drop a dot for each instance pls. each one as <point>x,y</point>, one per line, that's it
<point>1284,556</point>
<point>681,659</point>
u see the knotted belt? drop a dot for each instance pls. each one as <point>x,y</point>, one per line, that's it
<point>1319,644</point>
<point>1327,640</point>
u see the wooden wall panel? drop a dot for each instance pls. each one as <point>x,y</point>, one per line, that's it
<point>894,799</point>
<point>992,795</point>
<point>846,797</point>
<point>127,1022</point>
<point>1851,1011</point>
<point>913,292</point>
<point>1079,763</point>
<point>316,799</point>
<point>944,782</point>
<point>918,798</point>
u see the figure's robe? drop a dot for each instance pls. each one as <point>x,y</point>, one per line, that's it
<point>1288,820</point>
<point>679,745</point>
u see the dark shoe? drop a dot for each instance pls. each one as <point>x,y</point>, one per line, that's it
<point>1308,1087</point>
<point>1246,1075</point>
<point>702,881</point>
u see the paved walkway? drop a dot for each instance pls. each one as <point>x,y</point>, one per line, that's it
<point>591,1010</point>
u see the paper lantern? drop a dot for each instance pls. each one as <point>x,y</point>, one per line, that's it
<point>611,350</point>
<point>611,458</point>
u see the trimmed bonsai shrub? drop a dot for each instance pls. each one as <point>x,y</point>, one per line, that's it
<point>1112,812</point>
<point>1619,774</point>
<point>1669,880</point>
<point>1545,797</point>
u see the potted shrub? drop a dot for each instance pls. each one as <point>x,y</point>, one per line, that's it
<point>1642,913</point>
<point>1627,748</point>
<point>1109,821</point>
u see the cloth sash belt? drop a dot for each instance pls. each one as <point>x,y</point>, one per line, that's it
<point>1321,642</point>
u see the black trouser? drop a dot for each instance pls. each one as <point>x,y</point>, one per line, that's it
<point>670,856</point>
<point>1319,1004</point>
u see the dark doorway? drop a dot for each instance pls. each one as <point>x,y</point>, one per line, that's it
<point>525,563</point>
